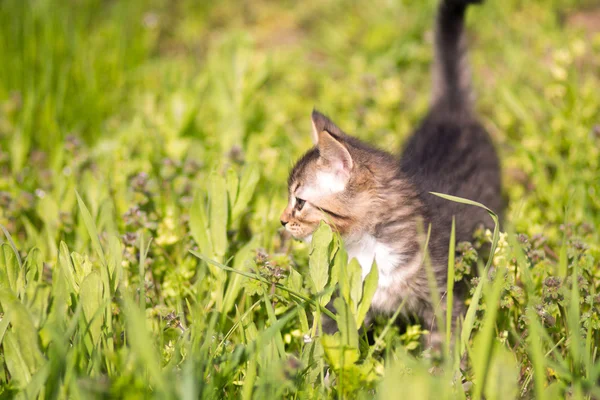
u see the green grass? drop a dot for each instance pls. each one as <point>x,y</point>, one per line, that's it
<point>144,152</point>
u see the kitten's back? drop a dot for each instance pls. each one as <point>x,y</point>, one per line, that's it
<point>450,152</point>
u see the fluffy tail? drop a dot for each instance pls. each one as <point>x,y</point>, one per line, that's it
<point>451,71</point>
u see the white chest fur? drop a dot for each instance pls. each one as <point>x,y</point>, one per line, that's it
<point>366,250</point>
<point>394,270</point>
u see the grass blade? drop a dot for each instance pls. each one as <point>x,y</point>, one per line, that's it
<point>450,289</point>
<point>469,322</point>
<point>536,354</point>
<point>12,244</point>
<point>90,225</point>
<point>297,295</point>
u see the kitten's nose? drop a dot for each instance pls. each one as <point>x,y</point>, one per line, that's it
<point>284,223</point>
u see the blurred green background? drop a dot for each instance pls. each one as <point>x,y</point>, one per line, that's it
<point>150,109</point>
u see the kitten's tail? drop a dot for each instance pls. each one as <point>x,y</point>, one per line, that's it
<point>451,71</point>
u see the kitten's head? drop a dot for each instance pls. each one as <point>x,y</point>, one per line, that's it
<point>329,183</point>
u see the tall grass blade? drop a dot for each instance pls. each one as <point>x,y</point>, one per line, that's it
<point>450,289</point>
<point>90,225</point>
<point>469,321</point>
<point>218,214</point>
<point>12,245</point>
<point>484,341</point>
<point>536,354</point>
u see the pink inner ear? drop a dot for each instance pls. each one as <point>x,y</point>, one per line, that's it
<point>341,167</point>
<point>335,154</point>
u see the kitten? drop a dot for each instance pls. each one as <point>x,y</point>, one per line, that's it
<point>381,205</point>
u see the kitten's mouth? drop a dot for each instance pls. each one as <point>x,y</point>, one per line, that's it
<point>301,238</point>
<point>307,238</point>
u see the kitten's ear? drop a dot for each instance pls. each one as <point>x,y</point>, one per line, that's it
<point>335,153</point>
<point>321,123</point>
<point>315,131</point>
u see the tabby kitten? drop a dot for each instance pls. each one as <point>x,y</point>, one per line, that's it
<point>381,205</point>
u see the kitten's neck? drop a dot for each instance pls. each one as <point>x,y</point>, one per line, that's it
<point>390,211</point>
<point>390,235</point>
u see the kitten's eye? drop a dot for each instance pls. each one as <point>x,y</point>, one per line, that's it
<point>299,203</point>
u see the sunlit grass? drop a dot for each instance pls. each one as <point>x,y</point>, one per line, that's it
<point>144,152</point>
